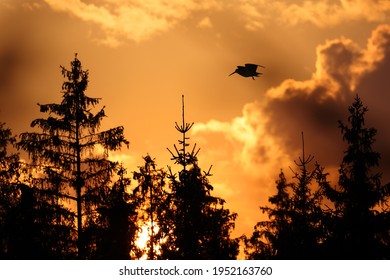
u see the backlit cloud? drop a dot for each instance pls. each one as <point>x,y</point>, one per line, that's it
<point>320,13</point>
<point>339,67</point>
<point>247,160</point>
<point>138,20</point>
<point>317,104</point>
<point>134,20</point>
<point>252,146</point>
<point>267,137</point>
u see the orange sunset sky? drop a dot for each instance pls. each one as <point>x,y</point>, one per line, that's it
<point>144,54</point>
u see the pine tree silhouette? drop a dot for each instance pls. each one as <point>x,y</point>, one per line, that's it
<point>26,219</point>
<point>116,225</point>
<point>154,208</point>
<point>65,149</point>
<point>201,224</point>
<point>269,236</point>
<point>295,228</point>
<point>10,169</point>
<point>9,189</point>
<point>360,230</point>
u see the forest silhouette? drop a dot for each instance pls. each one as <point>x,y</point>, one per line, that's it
<point>69,201</point>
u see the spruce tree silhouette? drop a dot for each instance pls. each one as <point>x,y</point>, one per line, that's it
<point>307,214</point>
<point>153,205</point>
<point>9,192</point>
<point>116,226</point>
<point>360,230</point>
<point>25,234</point>
<point>65,149</point>
<point>201,226</point>
<point>295,229</point>
<point>269,236</point>
<point>9,163</point>
<point>25,218</point>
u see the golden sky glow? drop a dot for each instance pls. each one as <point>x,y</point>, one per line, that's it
<point>143,55</point>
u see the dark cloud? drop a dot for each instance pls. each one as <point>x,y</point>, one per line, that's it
<point>316,119</point>
<point>10,61</point>
<point>15,62</point>
<point>315,106</point>
<point>32,46</point>
<point>375,90</point>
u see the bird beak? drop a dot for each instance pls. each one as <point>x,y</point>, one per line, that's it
<point>232,73</point>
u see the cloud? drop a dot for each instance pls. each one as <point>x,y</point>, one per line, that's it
<point>18,57</point>
<point>247,160</point>
<point>139,20</point>
<point>325,13</point>
<point>134,20</point>
<point>205,23</point>
<point>247,135</point>
<point>339,67</point>
<point>316,105</point>
<point>258,13</point>
<point>266,137</point>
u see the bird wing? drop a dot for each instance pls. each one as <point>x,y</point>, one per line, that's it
<point>252,67</point>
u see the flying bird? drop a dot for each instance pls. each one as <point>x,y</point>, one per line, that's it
<point>249,70</point>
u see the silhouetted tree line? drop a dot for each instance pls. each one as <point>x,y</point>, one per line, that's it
<point>311,219</point>
<point>71,202</point>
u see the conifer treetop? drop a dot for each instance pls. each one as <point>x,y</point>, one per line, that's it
<point>182,156</point>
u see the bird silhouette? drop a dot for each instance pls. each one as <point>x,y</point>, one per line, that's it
<point>249,70</point>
